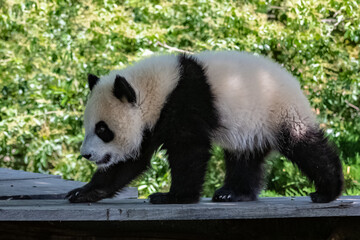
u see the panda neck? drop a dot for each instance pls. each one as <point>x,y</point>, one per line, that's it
<point>188,94</point>
<point>155,83</point>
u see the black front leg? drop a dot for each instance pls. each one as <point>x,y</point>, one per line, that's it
<point>106,183</point>
<point>188,161</point>
<point>185,126</point>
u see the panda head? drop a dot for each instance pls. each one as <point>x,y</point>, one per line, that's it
<point>112,120</point>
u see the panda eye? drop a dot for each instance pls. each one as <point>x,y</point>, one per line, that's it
<point>103,132</point>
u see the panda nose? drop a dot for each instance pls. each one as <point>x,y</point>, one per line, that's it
<point>87,156</point>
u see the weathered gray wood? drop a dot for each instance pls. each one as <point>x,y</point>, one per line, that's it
<point>9,174</point>
<point>142,210</point>
<point>26,185</point>
<point>40,188</point>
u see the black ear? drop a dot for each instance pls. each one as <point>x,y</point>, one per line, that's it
<point>123,89</point>
<point>92,80</point>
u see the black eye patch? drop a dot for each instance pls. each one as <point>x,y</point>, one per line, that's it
<point>103,132</point>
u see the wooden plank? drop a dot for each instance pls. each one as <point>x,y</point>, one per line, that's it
<point>336,228</point>
<point>39,188</point>
<point>9,174</point>
<point>24,185</point>
<point>142,210</point>
<point>48,188</point>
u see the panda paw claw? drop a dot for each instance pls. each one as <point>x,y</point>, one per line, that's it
<point>81,195</point>
<point>227,195</point>
<point>223,196</point>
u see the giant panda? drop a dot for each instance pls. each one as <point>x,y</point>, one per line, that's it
<point>247,104</point>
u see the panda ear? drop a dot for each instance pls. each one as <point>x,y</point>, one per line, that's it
<point>92,80</point>
<point>123,89</point>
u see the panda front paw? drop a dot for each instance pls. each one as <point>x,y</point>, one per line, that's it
<point>169,198</point>
<point>159,198</point>
<point>81,195</point>
<point>321,198</point>
<point>227,195</point>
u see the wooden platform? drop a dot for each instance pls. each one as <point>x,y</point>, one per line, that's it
<point>268,218</point>
<point>45,215</point>
<point>15,184</point>
<point>142,210</point>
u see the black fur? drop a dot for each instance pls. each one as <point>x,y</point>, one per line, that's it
<point>317,159</point>
<point>105,184</point>
<point>243,179</point>
<point>311,152</point>
<point>92,80</point>
<point>103,132</point>
<point>123,89</point>
<point>185,125</point>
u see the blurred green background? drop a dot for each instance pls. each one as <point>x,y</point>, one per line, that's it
<point>48,47</point>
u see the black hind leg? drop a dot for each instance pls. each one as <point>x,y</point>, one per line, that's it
<point>317,159</point>
<point>244,174</point>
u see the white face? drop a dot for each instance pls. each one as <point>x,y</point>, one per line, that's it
<point>113,127</point>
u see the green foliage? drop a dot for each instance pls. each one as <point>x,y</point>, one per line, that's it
<point>48,47</point>
<point>285,179</point>
<point>216,172</point>
<point>157,177</point>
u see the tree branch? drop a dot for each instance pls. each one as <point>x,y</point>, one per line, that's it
<point>172,48</point>
<point>352,106</point>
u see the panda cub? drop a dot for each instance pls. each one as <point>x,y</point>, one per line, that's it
<point>246,104</point>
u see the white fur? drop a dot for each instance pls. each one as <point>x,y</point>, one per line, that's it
<point>253,95</point>
<point>152,79</point>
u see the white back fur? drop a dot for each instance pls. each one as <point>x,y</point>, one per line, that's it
<point>254,96</point>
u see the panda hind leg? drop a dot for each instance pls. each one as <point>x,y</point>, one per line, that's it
<point>244,175</point>
<point>317,159</point>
